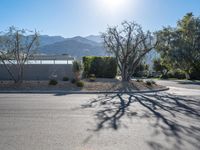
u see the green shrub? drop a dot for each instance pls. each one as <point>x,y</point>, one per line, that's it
<point>77,68</point>
<point>139,80</point>
<point>141,70</point>
<point>170,74</point>
<point>73,81</point>
<point>92,75</point>
<point>53,82</point>
<point>179,74</point>
<point>150,82</point>
<point>65,79</point>
<point>92,78</point>
<point>164,76</point>
<point>195,74</point>
<point>101,67</point>
<point>80,84</point>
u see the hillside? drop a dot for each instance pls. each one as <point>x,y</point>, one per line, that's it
<point>46,40</point>
<point>77,46</point>
<point>95,38</point>
<point>80,46</point>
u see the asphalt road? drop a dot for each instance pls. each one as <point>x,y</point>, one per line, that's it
<point>188,84</point>
<point>161,121</point>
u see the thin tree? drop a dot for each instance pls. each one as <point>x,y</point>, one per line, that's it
<point>129,44</point>
<point>16,47</point>
<point>77,68</point>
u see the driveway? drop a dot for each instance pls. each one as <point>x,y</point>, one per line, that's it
<point>159,121</point>
<point>188,84</point>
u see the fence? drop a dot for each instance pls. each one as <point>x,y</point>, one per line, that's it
<point>39,71</point>
<point>42,68</point>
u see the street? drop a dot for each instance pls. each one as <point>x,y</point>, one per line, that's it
<point>159,121</point>
<point>180,83</point>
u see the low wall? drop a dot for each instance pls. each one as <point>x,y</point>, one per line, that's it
<point>39,71</point>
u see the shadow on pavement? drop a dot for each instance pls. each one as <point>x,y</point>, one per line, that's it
<point>175,117</point>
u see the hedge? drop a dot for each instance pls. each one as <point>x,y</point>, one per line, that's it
<point>102,67</point>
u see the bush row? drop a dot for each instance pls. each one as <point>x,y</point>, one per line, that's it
<point>73,81</point>
<point>102,67</point>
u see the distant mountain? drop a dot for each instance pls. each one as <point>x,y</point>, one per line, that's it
<point>84,40</point>
<point>76,46</point>
<point>80,46</point>
<point>46,40</point>
<point>95,38</point>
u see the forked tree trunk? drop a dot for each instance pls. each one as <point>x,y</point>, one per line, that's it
<point>124,74</point>
<point>20,73</point>
<point>187,76</point>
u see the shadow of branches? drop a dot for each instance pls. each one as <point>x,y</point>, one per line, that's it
<point>176,117</point>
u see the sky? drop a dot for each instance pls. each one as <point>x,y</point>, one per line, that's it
<point>70,18</point>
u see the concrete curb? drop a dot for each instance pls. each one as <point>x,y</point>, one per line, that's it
<point>82,92</point>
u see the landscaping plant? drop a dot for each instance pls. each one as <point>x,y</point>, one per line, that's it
<point>150,82</point>
<point>80,84</point>
<point>92,78</point>
<point>179,46</point>
<point>65,79</point>
<point>139,80</point>
<point>73,81</point>
<point>53,82</point>
<point>102,67</point>
<point>77,68</point>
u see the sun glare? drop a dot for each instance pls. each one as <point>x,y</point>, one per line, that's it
<point>111,6</point>
<point>112,3</point>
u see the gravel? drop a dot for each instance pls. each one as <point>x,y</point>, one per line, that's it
<point>99,85</point>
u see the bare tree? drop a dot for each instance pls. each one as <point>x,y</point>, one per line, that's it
<point>16,47</point>
<point>129,44</point>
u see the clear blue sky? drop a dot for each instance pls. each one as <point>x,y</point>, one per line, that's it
<point>84,17</point>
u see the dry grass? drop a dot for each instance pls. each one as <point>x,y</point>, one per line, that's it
<point>98,85</point>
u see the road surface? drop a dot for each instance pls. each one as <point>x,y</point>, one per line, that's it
<point>161,121</point>
<point>180,83</point>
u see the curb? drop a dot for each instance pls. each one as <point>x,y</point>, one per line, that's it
<point>82,92</point>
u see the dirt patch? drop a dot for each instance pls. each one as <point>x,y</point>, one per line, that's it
<point>99,85</point>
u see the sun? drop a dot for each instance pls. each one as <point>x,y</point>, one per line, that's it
<point>111,5</point>
<point>112,8</point>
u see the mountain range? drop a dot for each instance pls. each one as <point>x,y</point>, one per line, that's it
<point>77,46</point>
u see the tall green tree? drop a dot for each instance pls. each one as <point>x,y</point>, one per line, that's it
<point>181,45</point>
<point>161,66</point>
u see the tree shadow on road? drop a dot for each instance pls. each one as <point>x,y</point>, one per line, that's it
<point>175,117</point>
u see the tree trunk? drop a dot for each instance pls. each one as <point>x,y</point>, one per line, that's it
<point>125,76</point>
<point>187,76</point>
